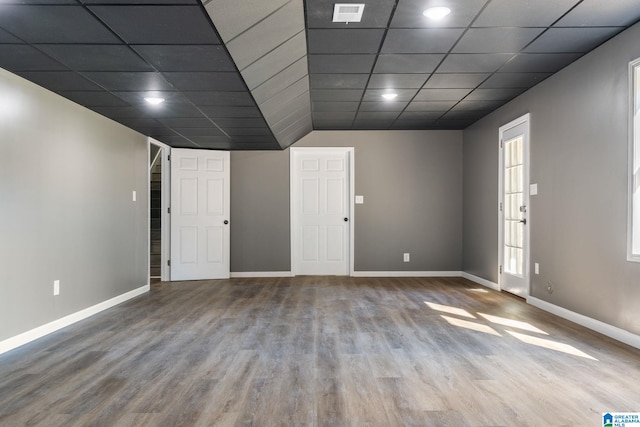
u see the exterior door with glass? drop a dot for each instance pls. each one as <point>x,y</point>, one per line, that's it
<point>514,206</point>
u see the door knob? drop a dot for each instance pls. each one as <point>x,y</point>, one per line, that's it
<point>346,219</point>
<point>226,222</point>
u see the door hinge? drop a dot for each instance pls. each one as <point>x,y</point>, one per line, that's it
<point>500,206</point>
<point>500,143</point>
<point>169,262</point>
<point>169,157</point>
<point>500,269</point>
<point>169,210</point>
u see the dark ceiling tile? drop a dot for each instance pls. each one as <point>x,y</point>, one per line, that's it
<point>6,37</point>
<point>409,13</point>
<point>186,122</point>
<point>399,81</point>
<point>571,39</point>
<point>247,131</point>
<point>441,94</point>
<point>377,115</point>
<point>216,112</point>
<point>375,95</point>
<point>376,14</point>
<point>407,63</point>
<point>158,24</point>
<point>464,115</point>
<point>122,81</point>
<point>59,80</point>
<point>477,105</point>
<point>539,62</point>
<point>81,57</point>
<point>240,123</point>
<point>527,13</point>
<point>50,24</point>
<point>116,113</point>
<point>334,115</point>
<point>320,124</point>
<point>365,123</point>
<point>211,139</point>
<point>411,124</point>
<point>93,98</point>
<point>473,62</point>
<point>423,40</point>
<point>177,110</point>
<point>430,105</point>
<point>493,94</point>
<point>207,131</point>
<point>333,95</point>
<point>220,98</point>
<point>496,40</point>
<point>344,41</point>
<point>421,116</point>
<point>599,13</point>
<point>338,81</point>
<point>205,81</point>
<point>383,106</point>
<point>21,57</point>
<point>186,57</point>
<point>137,98</point>
<point>334,106</point>
<point>341,63</point>
<point>506,80</point>
<point>452,124</point>
<point>455,81</point>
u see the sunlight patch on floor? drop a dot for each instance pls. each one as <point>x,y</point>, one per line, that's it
<point>512,323</point>
<point>449,309</point>
<point>550,344</point>
<point>471,325</point>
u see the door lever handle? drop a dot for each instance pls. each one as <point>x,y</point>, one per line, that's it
<point>524,221</point>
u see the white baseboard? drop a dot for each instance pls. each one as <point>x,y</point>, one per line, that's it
<point>479,280</point>
<point>256,274</point>
<point>407,274</point>
<point>593,324</point>
<point>40,331</point>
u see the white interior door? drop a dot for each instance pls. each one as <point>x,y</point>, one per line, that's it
<point>199,214</point>
<point>514,206</point>
<point>321,223</point>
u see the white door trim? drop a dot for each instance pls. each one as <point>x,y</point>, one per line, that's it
<point>525,119</point>
<point>351,177</point>
<point>165,218</point>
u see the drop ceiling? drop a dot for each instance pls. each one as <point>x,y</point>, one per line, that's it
<point>260,74</point>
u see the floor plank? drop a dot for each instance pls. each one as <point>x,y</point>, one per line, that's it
<point>319,351</point>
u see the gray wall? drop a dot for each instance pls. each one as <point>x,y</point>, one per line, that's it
<point>578,221</point>
<point>66,177</point>
<point>412,187</point>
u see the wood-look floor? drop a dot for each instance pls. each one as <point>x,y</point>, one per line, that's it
<point>319,351</point>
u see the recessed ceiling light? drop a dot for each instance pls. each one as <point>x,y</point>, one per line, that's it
<point>389,96</point>
<point>436,12</point>
<point>153,100</point>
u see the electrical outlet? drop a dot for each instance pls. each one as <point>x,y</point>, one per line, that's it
<point>56,287</point>
<point>406,257</point>
<point>549,287</point>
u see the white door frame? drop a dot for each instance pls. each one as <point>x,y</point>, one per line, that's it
<point>165,218</point>
<point>294,241</point>
<point>525,119</point>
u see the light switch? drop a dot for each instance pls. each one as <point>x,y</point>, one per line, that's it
<point>359,200</point>
<point>536,268</point>
<point>533,189</point>
<point>133,195</point>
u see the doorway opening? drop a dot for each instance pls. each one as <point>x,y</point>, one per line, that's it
<point>159,179</point>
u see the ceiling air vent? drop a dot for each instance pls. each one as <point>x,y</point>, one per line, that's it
<point>347,12</point>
